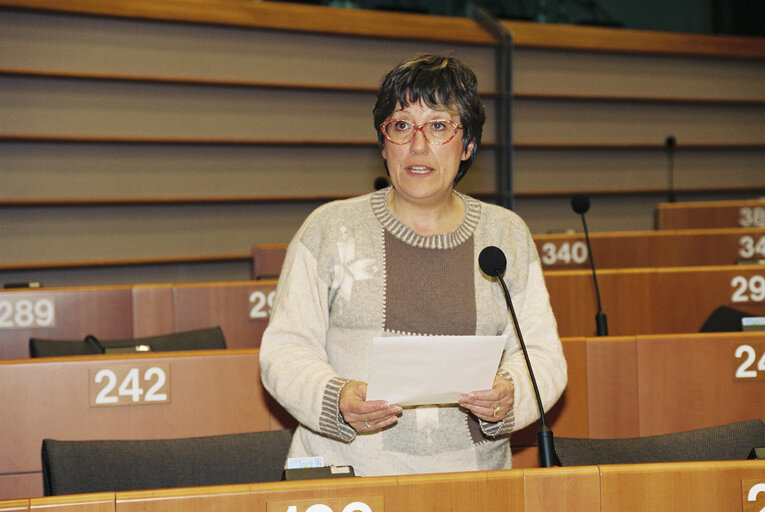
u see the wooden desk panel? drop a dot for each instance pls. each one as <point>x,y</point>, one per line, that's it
<point>653,300</point>
<point>627,297</point>
<point>153,310</point>
<point>267,260</point>
<point>105,312</point>
<point>711,214</point>
<point>434,492</point>
<point>685,297</point>
<point>652,385</point>
<point>212,393</point>
<point>666,248</point>
<point>562,489</point>
<point>21,505</point>
<point>97,502</point>
<point>612,388</point>
<point>687,381</point>
<point>700,486</point>
<point>241,309</point>
<point>568,415</point>
<point>704,486</point>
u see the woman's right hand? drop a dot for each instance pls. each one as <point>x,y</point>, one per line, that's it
<point>363,416</point>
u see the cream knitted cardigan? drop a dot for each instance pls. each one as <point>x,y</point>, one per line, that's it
<point>331,302</point>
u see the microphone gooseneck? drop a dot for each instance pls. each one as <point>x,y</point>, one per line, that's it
<point>493,263</point>
<point>581,204</point>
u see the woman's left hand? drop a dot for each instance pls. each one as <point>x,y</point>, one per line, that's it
<point>493,404</point>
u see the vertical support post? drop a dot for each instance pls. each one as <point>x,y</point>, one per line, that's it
<point>504,111</point>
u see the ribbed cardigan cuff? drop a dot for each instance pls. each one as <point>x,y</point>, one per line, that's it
<point>331,422</point>
<point>493,429</point>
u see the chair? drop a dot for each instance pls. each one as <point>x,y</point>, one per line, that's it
<point>733,441</point>
<point>77,467</point>
<point>724,319</point>
<point>198,339</point>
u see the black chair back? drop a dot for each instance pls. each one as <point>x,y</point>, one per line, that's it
<point>77,467</point>
<point>199,339</point>
<point>733,441</point>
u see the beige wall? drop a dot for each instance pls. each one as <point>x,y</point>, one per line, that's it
<point>136,139</point>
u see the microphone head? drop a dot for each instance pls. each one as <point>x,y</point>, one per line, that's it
<point>492,261</point>
<point>580,204</point>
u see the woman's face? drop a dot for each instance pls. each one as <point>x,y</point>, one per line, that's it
<point>420,172</point>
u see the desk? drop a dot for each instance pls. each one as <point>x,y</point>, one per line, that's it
<point>635,386</point>
<point>698,486</point>
<point>663,248</point>
<point>637,301</point>
<point>618,387</point>
<point>653,300</point>
<point>711,214</point>
<point>240,308</point>
<point>618,249</point>
<point>211,393</point>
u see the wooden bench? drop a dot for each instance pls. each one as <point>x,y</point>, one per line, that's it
<point>711,214</point>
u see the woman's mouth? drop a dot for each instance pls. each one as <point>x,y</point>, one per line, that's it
<point>419,169</point>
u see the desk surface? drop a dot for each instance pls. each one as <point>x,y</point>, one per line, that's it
<point>699,486</point>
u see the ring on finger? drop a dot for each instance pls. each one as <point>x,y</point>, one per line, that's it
<point>496,411</point>
<point>367,425</point>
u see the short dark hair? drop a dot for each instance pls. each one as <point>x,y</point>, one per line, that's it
<point>439,82</point>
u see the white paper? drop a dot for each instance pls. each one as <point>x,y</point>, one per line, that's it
<point>418,370</point>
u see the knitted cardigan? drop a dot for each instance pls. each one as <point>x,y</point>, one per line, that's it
<point>354,272</point>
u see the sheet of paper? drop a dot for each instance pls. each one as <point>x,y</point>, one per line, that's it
<point>418,370</point>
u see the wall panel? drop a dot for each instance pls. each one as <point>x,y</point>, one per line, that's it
<point>194,123</point>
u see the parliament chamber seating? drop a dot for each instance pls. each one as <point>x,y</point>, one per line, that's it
<point>618,387</point>
<point>636,300</point>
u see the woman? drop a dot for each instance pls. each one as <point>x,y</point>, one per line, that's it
<point>403,260</point>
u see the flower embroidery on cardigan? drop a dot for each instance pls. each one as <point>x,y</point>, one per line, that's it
<point>349,270</point>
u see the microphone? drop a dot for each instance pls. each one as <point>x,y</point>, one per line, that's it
<point>493,263</point>
<point>581,204</point>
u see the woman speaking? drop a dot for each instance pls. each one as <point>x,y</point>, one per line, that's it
<point>403,261</point>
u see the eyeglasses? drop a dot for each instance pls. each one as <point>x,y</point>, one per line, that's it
<point>436,132</point>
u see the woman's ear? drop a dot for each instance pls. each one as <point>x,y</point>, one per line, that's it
<point>468,151</point>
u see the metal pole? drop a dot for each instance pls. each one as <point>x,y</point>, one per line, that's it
<point>504,72</point>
